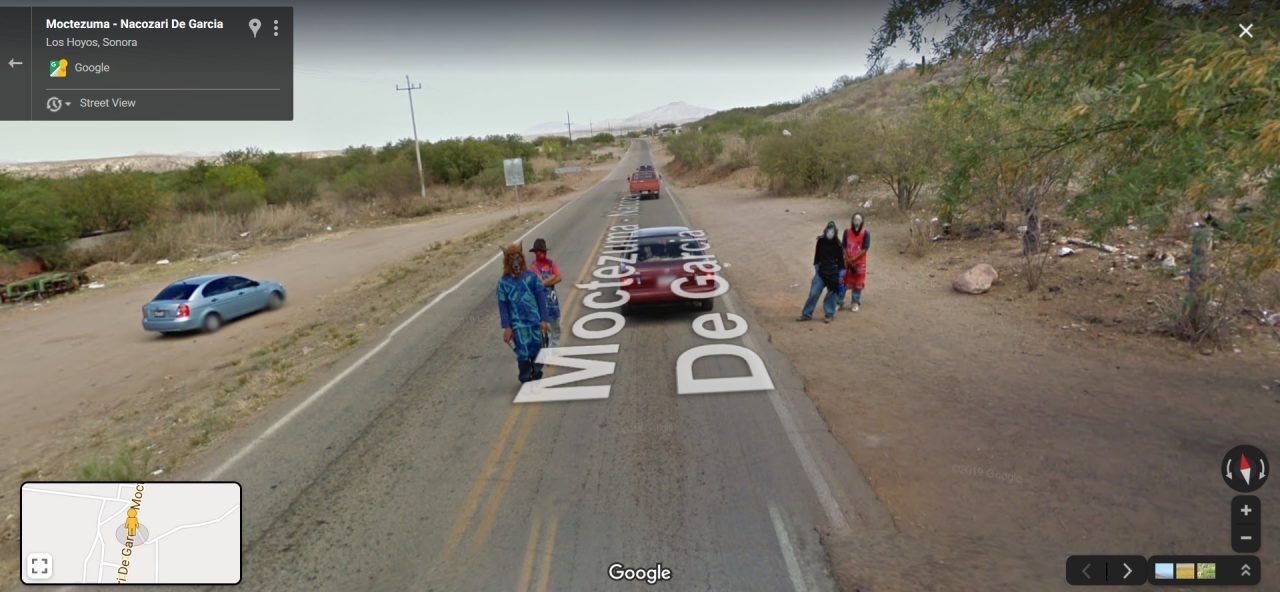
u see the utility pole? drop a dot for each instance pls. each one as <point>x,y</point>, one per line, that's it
<point>569,124</point>
<point>591,128</point>
<point>417,149</point>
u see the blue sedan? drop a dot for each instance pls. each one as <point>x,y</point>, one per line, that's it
<point>206,302</point>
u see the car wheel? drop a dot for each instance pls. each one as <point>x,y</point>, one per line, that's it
<point>275,301</point>
<point>212,322</point>
<point>708,304</point>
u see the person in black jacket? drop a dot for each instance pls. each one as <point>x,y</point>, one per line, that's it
<point>828,260</point>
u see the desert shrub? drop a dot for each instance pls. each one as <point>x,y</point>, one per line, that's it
<point>491,179</point>
<point>110,200</point>
<point>234,178</point>
<point>266,164</point>
<point>30,217</point>
<point>817,156</point>
<point>292,185</point>
<point>239,202</point>
<point>695,149</point>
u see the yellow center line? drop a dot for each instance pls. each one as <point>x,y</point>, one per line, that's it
<point>526,571</point>
<point>544,571</point>
<point>504,480</point>
<point>477,489</point>
<point>472,501</point>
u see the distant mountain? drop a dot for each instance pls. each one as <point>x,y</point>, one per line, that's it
<point>154,163</point>
<point>677,112</point>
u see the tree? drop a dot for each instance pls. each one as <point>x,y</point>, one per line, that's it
<point>903,157</point>
<point>1167,112</point>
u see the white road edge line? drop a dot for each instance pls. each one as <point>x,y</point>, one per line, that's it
<point>788,552</point>
<point>835,516</point>
<point>328,386</point>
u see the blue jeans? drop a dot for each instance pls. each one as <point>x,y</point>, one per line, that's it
<point>828,303</point>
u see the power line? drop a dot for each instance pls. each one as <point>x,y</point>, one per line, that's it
<point>417,149</point>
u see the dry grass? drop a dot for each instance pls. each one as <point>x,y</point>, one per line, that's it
<point>888,95</point>
<point>189,236</point>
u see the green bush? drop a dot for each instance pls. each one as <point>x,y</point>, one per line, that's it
<point>492,179</point>
<point>29,217</point>
<point>817,156</point>
<point>292,184</point>
<point>695,149</point>
<point>602,139</point>
<point>239,202</point>
<point>235,177</point>
<point>110,201</point>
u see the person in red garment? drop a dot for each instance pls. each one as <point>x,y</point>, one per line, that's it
<point>856,242</point>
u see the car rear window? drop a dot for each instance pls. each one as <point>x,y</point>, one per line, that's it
<point>657,248</point>
<point>176,292</point>
<point>643,176</point>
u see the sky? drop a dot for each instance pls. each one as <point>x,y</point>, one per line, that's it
<point>499,66</point>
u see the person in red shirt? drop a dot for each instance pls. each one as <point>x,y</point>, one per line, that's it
<point>856,242</point>
<point>549,273</point>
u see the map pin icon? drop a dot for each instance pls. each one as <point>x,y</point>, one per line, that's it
<point>254,25</point>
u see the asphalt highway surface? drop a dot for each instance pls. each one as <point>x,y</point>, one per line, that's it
<point>409,467</point>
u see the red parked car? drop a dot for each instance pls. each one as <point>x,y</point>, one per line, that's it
<point>660,261</point>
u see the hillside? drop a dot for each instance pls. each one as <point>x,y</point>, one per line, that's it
<point>887,94</point>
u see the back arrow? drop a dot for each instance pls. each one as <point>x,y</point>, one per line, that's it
<point>14,63</point>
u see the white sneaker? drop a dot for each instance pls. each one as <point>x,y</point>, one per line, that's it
<point>854,307</point>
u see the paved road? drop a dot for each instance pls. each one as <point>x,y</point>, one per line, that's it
<point>410,468</point>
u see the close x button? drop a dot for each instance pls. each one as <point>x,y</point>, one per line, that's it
<point>1106,570</point>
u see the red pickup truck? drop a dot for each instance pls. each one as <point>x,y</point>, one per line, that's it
<point>645,184</point>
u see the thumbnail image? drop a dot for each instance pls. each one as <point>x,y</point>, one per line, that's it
<point>1206,571</point>
<point>1186,571</point>
<point>1164,571</point>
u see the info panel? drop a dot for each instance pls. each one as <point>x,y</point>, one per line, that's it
<point>146,63</point>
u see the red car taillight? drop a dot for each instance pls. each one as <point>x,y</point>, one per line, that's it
<point>184,311</point>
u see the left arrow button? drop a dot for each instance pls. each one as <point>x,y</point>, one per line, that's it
<point>14,63</point>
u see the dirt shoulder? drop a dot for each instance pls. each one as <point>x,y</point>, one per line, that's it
<point>999,442</point>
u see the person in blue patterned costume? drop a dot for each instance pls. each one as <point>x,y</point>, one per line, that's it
<point>522,305</point>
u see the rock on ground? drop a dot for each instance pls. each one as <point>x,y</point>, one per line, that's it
<point>976,280</point>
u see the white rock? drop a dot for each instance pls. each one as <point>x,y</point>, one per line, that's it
<point>1066,251</point>
<point>162,262</point>
<point>976,280</point>
<point>96,286</point>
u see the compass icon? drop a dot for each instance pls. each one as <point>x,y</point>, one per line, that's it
<point>1244,468</point>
